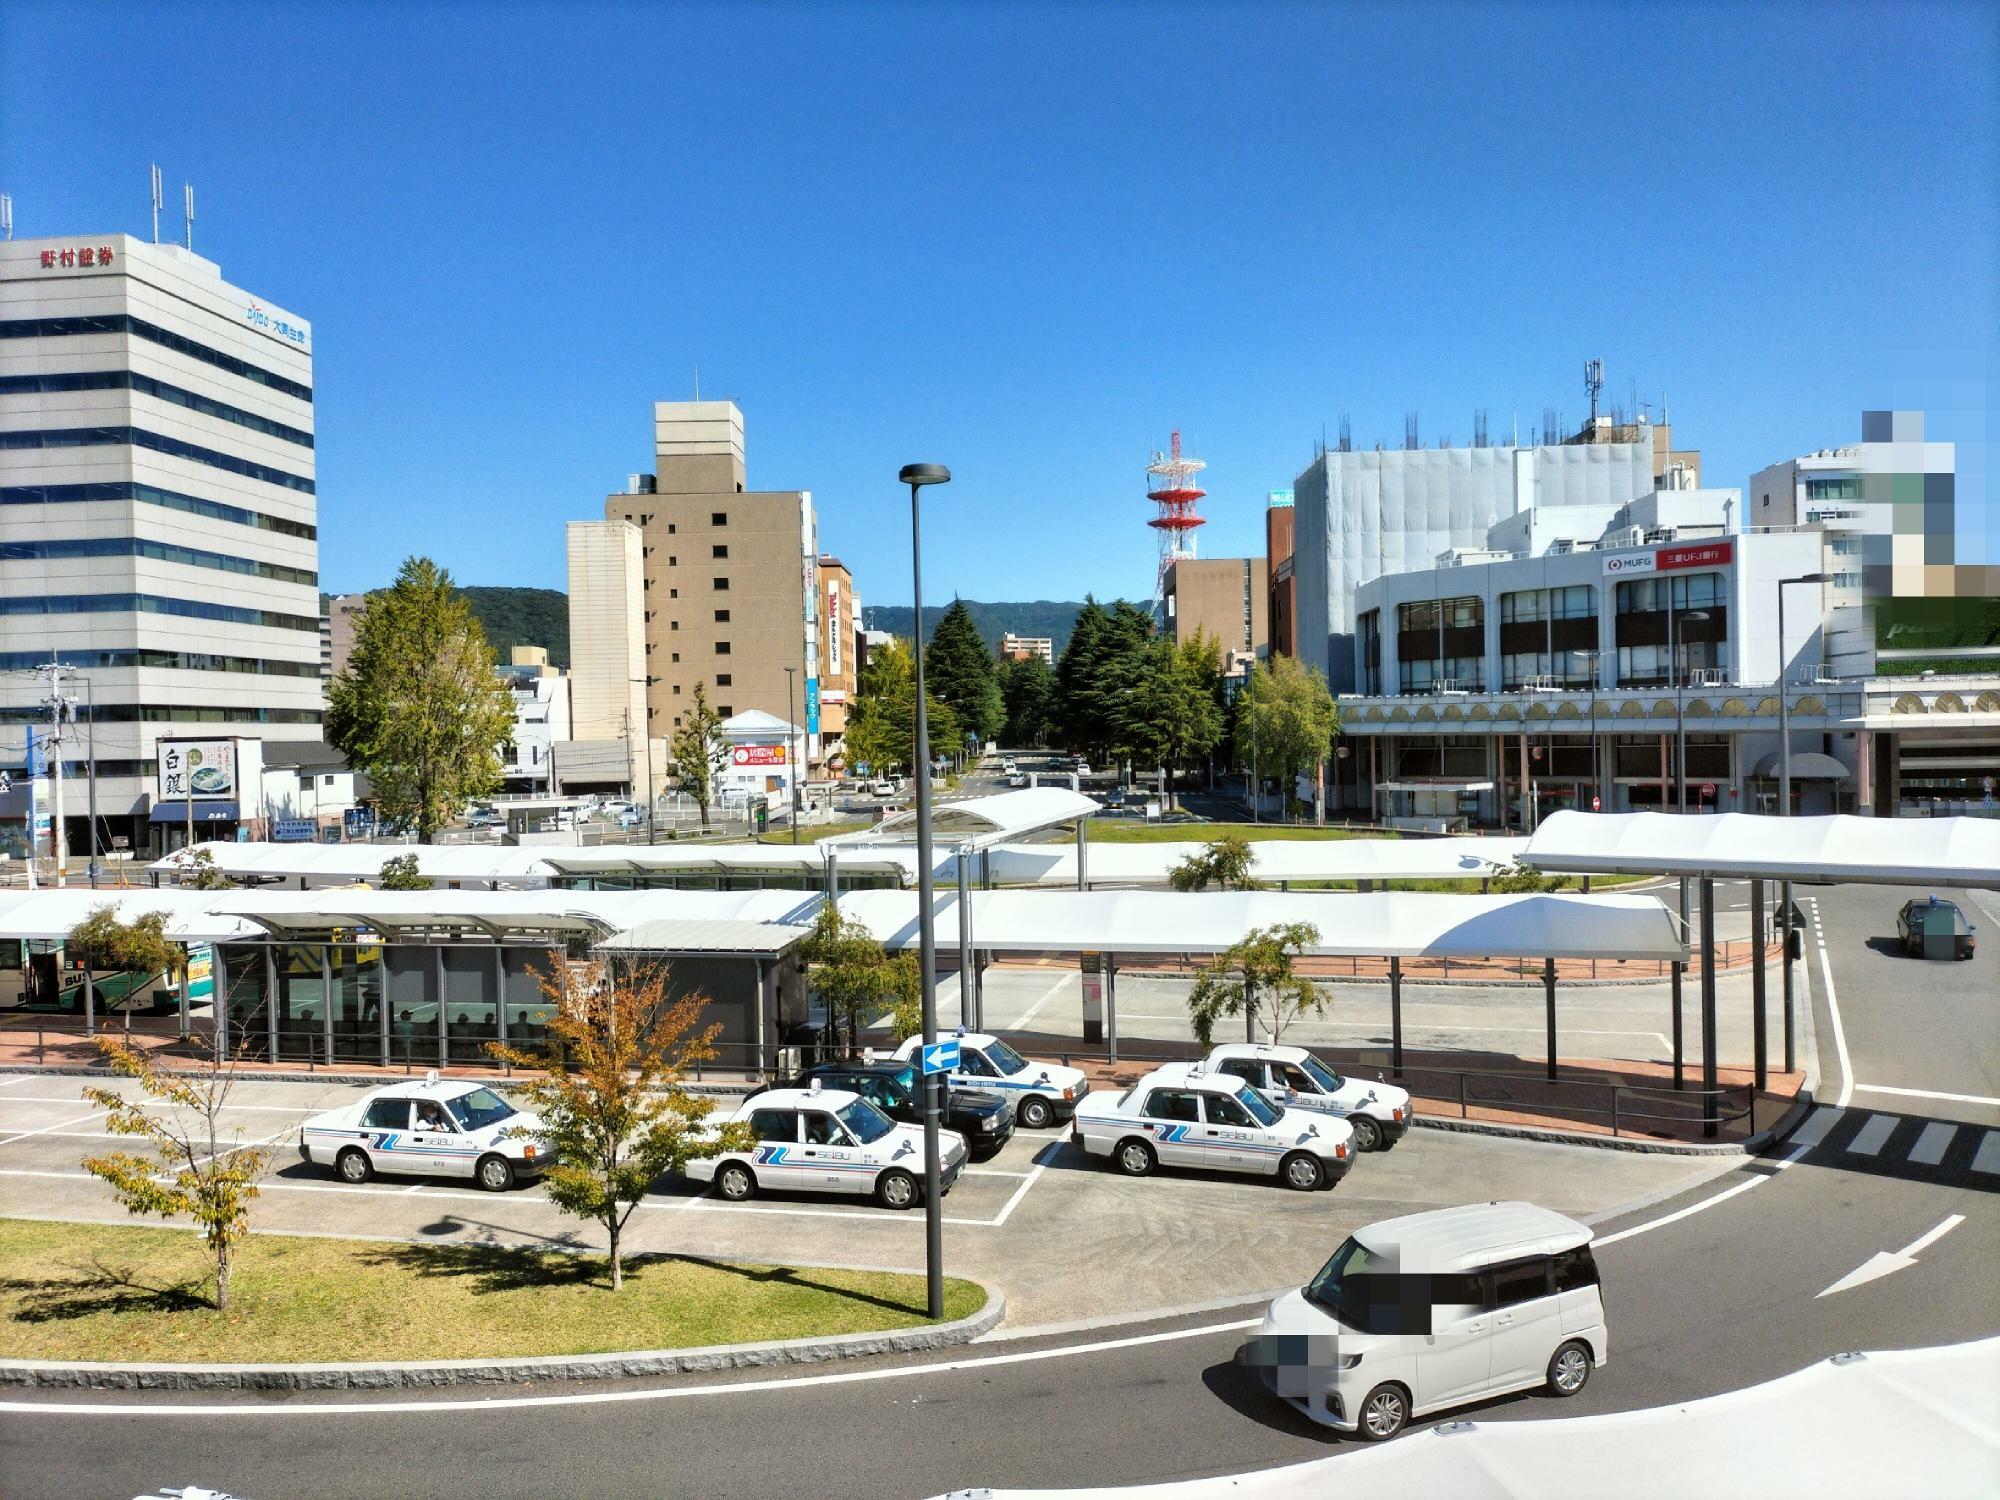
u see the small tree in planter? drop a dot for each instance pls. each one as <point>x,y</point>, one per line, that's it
<point>1224,861</point>
<point>401,874</point>
<point>1256,978</point>
<point>102,943</point>
<point>855,978</point>
<point>196,1170</point>
<point>613,1102</point>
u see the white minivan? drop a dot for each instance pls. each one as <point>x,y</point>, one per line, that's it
<point>1435,1310</point>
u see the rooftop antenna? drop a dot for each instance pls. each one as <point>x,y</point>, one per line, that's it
<point>187,211</point>
<point>156,203</point>
<point>1410,430</point>
<point>1593,382</point>
<point>1479,428</point>
<point>6,216</point>
<point>697,382</point>
<point>1517,427</point>
<point>1346,434</point>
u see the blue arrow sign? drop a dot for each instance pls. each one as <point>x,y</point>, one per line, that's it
<point>941,1057</point>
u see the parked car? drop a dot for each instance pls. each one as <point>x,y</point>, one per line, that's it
<point>1292,1077</point>
<point>882,789</point>
<point>1017,778</point>
<point>451,1128</point>
<point>984,1118</point>
<point>1434,1310</point>
<point>1184,1115</point>
<point>1042,1092</point>
<point>821,1140</point>
<point>1914,922</point>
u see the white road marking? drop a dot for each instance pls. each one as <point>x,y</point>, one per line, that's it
<point>1817,1124</point>
<point>46,1129</point>
<point>1874,1132</point>
<point>1885,1262</point>
<point>1019,1193</point>
<point>1839,1033</point>
<point>1883,1088</point>
<point>269,1109</point>
<point>1987,1158</point>
<point>1930,1147</point>
<point>992,1172</point>
<point>608,1398</point>
<point>1021,1021</point>
<point>8,1083</point>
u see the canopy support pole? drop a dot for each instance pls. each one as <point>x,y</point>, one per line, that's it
<point>326,998</point>
<point>1396,1016</point>
<point>1760,1049</point>
<point>968,1007</point>
<point>1680,1052</point>
<point>1708,1103</point>
<point>219,1005</point>
<point>1549,995</point>
<point>1785,930</point>
<point>1083,854</point>
<point>382,991</point>
<point>1111,1004</point>
<point>271,1001</point>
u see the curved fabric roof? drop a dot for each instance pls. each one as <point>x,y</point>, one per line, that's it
<point>1398,924</point>
<point>1823,851</point>
<point>1005,815</point>
<point>1807,765</point>
<point>1276,860</point>
<point>346,863</point>
<point>50,914</point>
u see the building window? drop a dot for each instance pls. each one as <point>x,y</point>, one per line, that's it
<point>673,624</point>
<point>1440,641</point>
<point>718,518</point>
<point>1650,631</point>
<point>677,655</point>
<point>719,550</point>
<point>722,648</point>
<point>670,528</point>
<point>673,562</point>
<point>722,617</point>
<point>722,585</point>
<point>677,690</point>
<point>673,593</point>
<point>723,679</point>
<point>1369,633</point>
<point>724,710</point>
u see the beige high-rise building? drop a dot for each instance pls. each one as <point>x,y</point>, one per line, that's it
<point>607,630</point>
<point>839,656</point>
<point>1229,598</point>
<point>729,576</point>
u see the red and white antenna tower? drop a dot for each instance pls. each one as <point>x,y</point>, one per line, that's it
<point>1170,485</point>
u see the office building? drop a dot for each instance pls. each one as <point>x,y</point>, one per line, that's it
<point>1281,610</point>
<point>1021,647</point>
<point>1360,515</point>
<point>541,720</point>
<point>729,575</point>
<point>339,615</point>
<point>1225,598</point>
<point>158,521</point>
<point>840,653</point>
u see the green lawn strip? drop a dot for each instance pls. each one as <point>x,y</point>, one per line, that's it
<point>1135,831</point>
<point>815,832</point>
<point>96,1292</point>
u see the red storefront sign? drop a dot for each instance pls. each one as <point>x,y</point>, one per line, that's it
<point>1700,555</point>
<point>758,755</point>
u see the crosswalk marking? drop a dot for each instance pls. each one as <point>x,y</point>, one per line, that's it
<point>1871,1136</point>
<point>1817,1124</point>
<point>1987,1158</point>
<point>1929,1149</point>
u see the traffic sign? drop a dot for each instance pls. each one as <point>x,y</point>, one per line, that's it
<point>1708,789</point>
<point>1596,805</point>
<point>941,1057</point>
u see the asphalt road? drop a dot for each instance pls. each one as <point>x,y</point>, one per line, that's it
<point>1714,1292</point>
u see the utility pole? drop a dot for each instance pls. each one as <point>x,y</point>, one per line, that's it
<point>62,710</point>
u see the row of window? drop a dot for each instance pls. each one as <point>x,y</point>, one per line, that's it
<point>1576,602</point>
<point>35,328</point>
<point>150,494</point>
<point>171,713</point>
<point>132,546</point>
<point>155,604</point>
<point>159,390</point>
<point>138,437</point>
<point>177,661</point>
<point>146,770</point>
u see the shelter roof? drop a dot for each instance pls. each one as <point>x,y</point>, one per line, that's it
<point>1884,851</point>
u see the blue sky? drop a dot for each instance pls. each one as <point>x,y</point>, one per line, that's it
<point>1028,241</point>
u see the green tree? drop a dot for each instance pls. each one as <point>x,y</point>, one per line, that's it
<point>419,706</point>
<point>1286,720</point>
<point>198,871</point>
<point>856,979</point>
<point>197,1170</point>
<point>1519,880</point>
<point>1169,709</point>
<point>612,1099</point>
<point>959,671</point>
<point>882,728</point>
<point>1256,978</point>
<point>1224,861</point>
<point>139,948</point>
<point>1028,691</point>
<point>1102,660</point>
<point>696,752</point>
<point>401,874</point>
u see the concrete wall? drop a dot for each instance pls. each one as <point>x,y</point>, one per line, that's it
<point>607,639</point>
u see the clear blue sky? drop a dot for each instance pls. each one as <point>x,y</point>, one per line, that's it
<point>1027,241</point>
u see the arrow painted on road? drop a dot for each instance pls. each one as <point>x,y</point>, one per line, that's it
<point>1883,1262</point>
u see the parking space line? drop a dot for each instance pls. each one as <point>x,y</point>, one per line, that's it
<point>9,1083</point>
<point>992,1172</point>
<point>269,1109</point>
<point>1883,1088</point>
<point>1019,1193</point>
<point>1021,1021</point>
<point>47,1128</point>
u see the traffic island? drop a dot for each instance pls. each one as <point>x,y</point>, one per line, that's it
<point>111,1306</point>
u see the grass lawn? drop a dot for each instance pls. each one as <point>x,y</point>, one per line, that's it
<point>812,833</point>
<point>113,1292</point>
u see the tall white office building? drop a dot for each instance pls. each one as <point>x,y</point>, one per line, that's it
<point>158,521</point>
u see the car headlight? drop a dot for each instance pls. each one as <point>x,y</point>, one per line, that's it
<point>1069,1093</point>
<point>991,1122</point>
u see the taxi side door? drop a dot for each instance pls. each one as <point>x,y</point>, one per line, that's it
<point>389,1144</point>
<point>775,1158</point>
<point>830,1160</point>
<point>1231,1137</point>
<point>1173,1120</point>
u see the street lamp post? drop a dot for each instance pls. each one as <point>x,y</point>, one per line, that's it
<point>916,476</point>
<point>646,729</point>
<point>1676,643</point>
<point>791,734</point>
<point>1784,699</point>
<point>1596,767</point>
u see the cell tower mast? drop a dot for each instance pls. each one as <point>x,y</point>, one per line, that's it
<point>1170,485</point>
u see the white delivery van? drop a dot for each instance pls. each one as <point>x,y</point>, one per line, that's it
<point>1435,1310</point>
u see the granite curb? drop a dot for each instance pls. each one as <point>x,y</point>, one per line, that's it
<point>436,1374</point>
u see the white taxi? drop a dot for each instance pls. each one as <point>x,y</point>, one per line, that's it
<point>1186,1115</point>
<point>437,1128</point>
<point>821,1140</point>
<point>1043,1093</point>
<point>1293,1077</point>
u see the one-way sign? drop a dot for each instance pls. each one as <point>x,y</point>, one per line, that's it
<point>941,1057</point>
